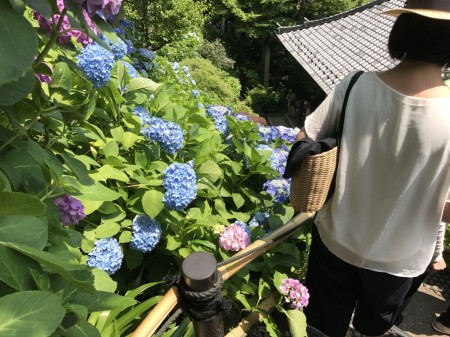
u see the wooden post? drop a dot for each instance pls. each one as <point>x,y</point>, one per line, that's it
<point>200,273</point>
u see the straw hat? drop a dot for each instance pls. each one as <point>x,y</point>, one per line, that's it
<point>435,9</point>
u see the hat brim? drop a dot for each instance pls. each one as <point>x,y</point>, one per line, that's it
<point>440,15</point>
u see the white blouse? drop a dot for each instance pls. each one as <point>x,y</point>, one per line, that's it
<point>393,176</point>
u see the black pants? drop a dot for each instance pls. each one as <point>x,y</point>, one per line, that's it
<point>337,289</point>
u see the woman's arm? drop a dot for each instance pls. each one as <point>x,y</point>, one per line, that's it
<point>445,214</point>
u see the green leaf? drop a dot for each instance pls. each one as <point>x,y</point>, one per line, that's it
<point>152,203</point>
<point>4,183</point>
<point>30,313</point>
<point>107,230</point>
<point>78,274</point>
<point>83,329</point>
<point>44,158</point>
<point>278,279</point>
<point>129,139</point>
<point>238,199</point>
<point>18,5</point>
<point>103,282</point>
<point>16,203</point>
<point>16,56</point>
<point>211,171</point>
<point>14,91</point>
<point>28,230</point>
<point>109,172</point>
<point>143,84</point>
<point>78,169</point>
<point>42,7</point>
<point>15,270</point>
<point>62,77</point>
<point>172,243</point>
<point>297,323</point>
<point>111,149</point>
<point>93,192</point>
<point>271,325</point>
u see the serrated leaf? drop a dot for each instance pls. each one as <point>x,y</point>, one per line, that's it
<point>152,203</point>
<point>62,77</point>
<point>30,313</point>
<point>15,269</point>
<point>23,229</point>
<point>211,171</point>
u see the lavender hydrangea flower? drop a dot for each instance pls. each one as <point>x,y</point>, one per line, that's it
<point>146,233</point>
<point>97,63</point>
<point>146,53</point>
<point>71,210</point>
<point>234,238</point>
<point>180,182</point>
<point>295,293</point>
<point>279,188</point>
<point>107,255</point>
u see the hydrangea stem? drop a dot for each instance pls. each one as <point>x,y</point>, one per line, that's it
<point>52,40</point>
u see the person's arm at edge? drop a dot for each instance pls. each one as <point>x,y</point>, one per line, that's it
<point>445,214</point>
<point>301,134</point>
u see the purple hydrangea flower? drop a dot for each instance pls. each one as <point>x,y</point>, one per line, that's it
<point>234,238</point>
<point>279,188</point>
<point>107,255</point>
<point>105,7</point>
<point>146,233</point>
<point>97,63</point>
<point>180,182</point>
<point>295,293</point>
<point>71,210</point>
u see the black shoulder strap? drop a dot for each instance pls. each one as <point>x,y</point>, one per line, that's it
<point>344,105</point>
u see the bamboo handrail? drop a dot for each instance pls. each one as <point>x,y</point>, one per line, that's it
<point>170,300</point>
<point>254,317</point>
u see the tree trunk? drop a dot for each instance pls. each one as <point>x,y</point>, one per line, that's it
<point>266,63</point>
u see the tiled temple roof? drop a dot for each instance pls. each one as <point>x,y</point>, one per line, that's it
<point>330,48</point>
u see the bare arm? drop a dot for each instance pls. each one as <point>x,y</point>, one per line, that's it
<point>446,213</point>
<point>301,134</point>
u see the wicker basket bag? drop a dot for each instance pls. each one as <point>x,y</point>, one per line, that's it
<point>312,166</point>
<point>310,184</point>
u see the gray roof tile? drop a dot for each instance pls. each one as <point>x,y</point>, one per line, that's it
<point>330,48</point>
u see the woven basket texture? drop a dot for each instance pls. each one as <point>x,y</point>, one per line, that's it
<point>311,181</point>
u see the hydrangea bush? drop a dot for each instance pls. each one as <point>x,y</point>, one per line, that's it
<point>112,171</point>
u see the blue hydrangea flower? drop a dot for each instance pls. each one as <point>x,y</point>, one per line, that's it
<point>193,82</point>
<point>222,125</point>
<point>107,255</point>
<point>186,69</point>
<point>127,23</point>
<point>180,182</point>
<point>146,53</point>
<point>119,31</point>
<point>130,69</point>
<point>130,47</point>
<point>145,118</point>
<point>215,111</point>
<point>201,105</point>
<point>264,133</point>
<point>241,117</point>
<point>195,93</point>
<point>259,219</point>
<point>168,134</point>
<point>146,233</point>
<point>97,63</point>
<point>118,49</point>
<point>286,134</point>
<point>175,66</point>
<point>279,188</point>
<point>244,226</point>
<point>147,66</point>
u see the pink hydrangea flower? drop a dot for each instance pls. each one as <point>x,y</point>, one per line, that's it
<point>295,293</point>
<point>234,238</point>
